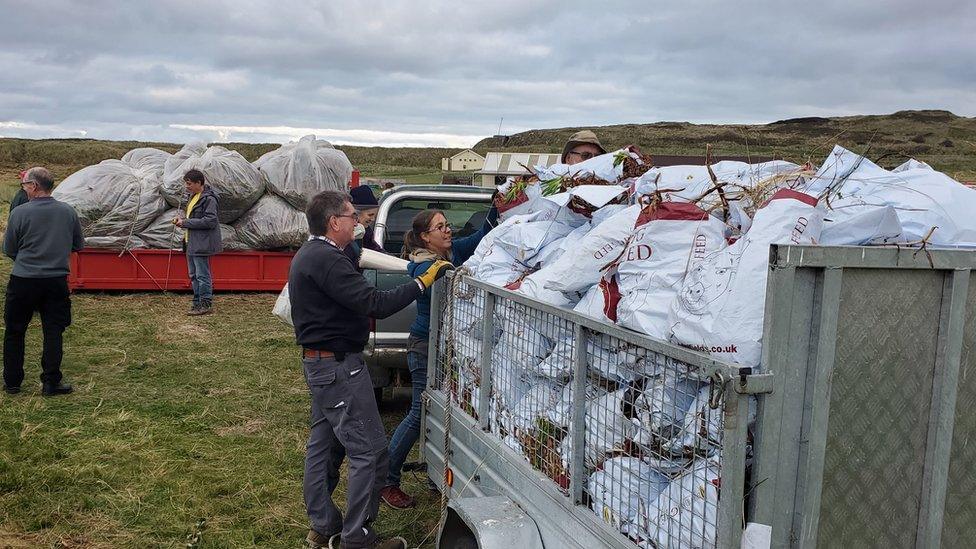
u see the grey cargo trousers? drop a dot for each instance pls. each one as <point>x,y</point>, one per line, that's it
<point>345,421</point>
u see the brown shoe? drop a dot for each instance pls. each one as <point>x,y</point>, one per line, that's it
<point>394,543</point>
<point>397,498</point>
<point>315,540</point>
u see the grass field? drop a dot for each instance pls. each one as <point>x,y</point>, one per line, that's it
<point>174,419</point>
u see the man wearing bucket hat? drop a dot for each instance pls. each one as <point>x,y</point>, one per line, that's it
<point>582,145</point>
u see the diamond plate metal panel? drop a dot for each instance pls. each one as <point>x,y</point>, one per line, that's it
<point>878,421</point>
<point>959,523</point>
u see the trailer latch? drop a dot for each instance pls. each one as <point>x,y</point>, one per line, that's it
<point>749,383</point>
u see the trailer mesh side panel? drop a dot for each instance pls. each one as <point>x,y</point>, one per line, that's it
<point>648,440</point>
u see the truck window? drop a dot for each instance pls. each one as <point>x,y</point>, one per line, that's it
<point>465,216</point>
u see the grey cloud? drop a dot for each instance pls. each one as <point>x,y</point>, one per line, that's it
<point>136,69</point>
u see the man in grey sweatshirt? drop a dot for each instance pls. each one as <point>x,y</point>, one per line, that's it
<point>41,235</point>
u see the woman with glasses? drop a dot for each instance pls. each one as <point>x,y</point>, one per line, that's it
<point>429,239</point>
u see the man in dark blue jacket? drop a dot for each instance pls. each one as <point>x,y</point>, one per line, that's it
<point>202,239</point>
<point>331,304</point>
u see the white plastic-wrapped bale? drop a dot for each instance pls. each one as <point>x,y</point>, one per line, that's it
<point>272,223</point>
<point>229,239</point>
<point>161,233</point>
<point>298,171</point>
<point>237,183</point>
<point>147,158</point>
<point>114,242</point>
<point>112,198</point>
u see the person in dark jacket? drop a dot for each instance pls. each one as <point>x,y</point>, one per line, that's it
<point>40,237</point>
<point>20,197</point>
<point>201,239</point>
<point>429,240</point>
<point>365,202</point>
<point>331,303</point>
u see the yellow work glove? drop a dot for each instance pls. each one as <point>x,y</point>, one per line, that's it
<point>436,270</point>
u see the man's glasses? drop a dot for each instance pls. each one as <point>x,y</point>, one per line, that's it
<point>441,227</point>
<point>353,215</point>
<point>583,155</point>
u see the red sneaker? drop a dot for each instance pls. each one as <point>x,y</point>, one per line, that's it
<point>397,498</point>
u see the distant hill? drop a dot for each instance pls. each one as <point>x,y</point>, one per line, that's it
<point>944,140</point>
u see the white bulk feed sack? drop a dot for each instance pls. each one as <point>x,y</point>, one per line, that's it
<point>523,241</point>
<point>685,514</point>
<point>540,397</point>
<point>660,409</point>
<point>600,301</point>
<point>720,307</point>
<point>561,413</point>
<point>669,239</point>
<point>870,226</point>
<point>298,171</point>
<point>922,197</point>
<point>112,198</point>
<point>272,223</point>
<point>237,183</point>
<point>579,268</point>
<point>607,167</point>
<point>606,430</point>
<point>617,490</point>
<point>685,183</point>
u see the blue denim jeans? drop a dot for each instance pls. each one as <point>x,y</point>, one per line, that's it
<point>200,279</point>
<point>408,431</point>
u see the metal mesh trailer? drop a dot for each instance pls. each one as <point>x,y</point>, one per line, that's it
<point>604,437</point>
<point>861,429</point>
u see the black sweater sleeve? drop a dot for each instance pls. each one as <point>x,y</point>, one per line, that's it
<point>348,288</point>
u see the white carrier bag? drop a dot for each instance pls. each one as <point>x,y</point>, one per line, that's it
<point>282,307</point>
<point>669,239</point>
<point>720,307</point>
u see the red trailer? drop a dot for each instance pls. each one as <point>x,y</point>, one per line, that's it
<point>162,270</point>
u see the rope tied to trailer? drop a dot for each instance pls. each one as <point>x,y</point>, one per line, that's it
<point>455,290</point>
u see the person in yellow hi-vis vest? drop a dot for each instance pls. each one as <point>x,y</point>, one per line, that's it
<point>201,239</point>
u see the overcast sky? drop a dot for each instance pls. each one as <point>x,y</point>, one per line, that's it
<point>432,73</point>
